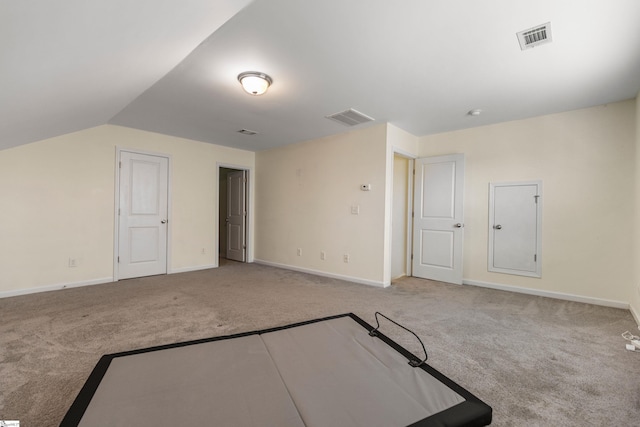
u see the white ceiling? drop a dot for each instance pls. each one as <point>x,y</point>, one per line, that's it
<point>171,66</point>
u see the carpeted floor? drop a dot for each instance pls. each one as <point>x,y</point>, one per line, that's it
<point>536,361</point>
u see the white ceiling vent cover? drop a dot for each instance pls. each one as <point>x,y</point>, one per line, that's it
<point>535,36</point>
<point>350,117</point>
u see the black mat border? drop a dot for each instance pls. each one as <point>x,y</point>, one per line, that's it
<point>472,412</point>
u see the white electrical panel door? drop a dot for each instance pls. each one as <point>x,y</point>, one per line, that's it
<point>143,215</point>
<point>438,218</point>
<point>236,215</point>
<point>515,228</point>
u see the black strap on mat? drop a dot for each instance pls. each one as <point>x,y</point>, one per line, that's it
<point>412,362</point>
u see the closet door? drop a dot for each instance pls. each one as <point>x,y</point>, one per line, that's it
<point>515,228</point>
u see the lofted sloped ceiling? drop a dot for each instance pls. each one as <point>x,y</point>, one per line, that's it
<point>67,65</point>
<point>171,66</point>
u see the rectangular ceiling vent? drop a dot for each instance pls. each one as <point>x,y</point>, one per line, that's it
<point>350,117</point>
<point>247,132</point>
<point>535,36</point>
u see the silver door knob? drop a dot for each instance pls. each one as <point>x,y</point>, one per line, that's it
<point>458,225</point>
<point>497,227</point>
<point>164,221</point>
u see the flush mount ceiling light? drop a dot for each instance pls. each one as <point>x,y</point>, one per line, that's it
<point>254,82</point>
<point>475,112</point>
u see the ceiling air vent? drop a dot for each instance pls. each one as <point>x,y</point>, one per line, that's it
<point>247,132</point>
<point>350,117</point>
<point>535,36</point>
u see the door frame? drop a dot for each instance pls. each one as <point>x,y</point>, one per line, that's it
<point>116,204</point>
<point>392,152</point>
<point>410,195</point>
<point>249,219</point>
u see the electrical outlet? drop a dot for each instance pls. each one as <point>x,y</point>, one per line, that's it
<point>73,262</point>
<point>299,252</point>
<point>345,258</point>
<point>323,255</point>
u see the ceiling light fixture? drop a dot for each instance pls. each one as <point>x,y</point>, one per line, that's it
<point>475,112</point>
<point>254,82</point>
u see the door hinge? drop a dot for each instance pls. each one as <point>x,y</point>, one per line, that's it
<point>413,214</point>
<point>118,211</point>
<point>118,259</point>
<point>535,257</point>
<point>120,165</point>
<point>536,197</point>
<point>411,257</point>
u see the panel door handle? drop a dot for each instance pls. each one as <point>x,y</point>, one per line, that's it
<point>497,227</point>
<point>458,225</point>
<point>164,221</point>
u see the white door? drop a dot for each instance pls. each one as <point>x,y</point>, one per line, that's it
<point>515,228</point>
<point>438,218</point>
<point>143,207</point>
<point>236,215</point>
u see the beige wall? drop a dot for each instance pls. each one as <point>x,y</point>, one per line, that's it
<point>585,159</point>
<point>402,142</point>
<point>58,202</point>
<point>634,288</point>
<point>304,194</point>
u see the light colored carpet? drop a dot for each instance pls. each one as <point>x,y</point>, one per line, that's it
<point>536,361</point>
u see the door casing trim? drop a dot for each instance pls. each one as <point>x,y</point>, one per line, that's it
<point>249,207</point>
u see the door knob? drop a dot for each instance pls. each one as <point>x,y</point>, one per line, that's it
<point>458,225</point>
<point>164,221</point>
<point>497,227</point>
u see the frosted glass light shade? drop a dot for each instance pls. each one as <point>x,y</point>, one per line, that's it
<point>254,83</point>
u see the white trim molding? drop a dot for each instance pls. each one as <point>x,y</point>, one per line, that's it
<point>635,315</point>
<point>196,268</point>
<point>56,287</point>
<point>324,274</point>
<point>549,294</point>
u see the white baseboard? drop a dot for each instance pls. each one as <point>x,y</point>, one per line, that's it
<point>323,273</point>
<point>56,287</point>
<point>196,268</point>
<point>635,314</point>
<point>549,294</point>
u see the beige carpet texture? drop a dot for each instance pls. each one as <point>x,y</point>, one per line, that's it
<point>537,361</point>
